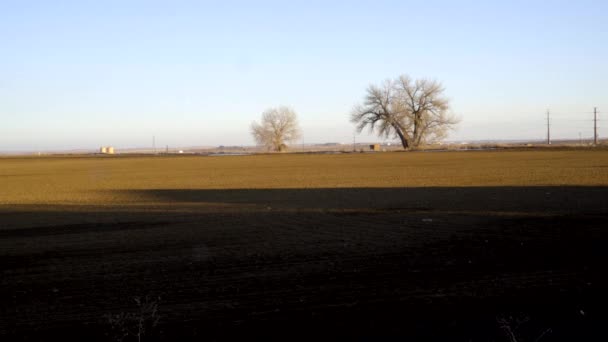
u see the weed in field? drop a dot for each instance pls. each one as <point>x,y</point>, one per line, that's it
<point>135,325</point>
<point>511,325</point>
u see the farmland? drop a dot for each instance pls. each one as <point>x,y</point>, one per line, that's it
<point>443,245</point>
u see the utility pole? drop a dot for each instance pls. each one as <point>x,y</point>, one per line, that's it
<point>548,129</point>
<point>594,125</point>
<point>354,143</point>
<point>154,144</point>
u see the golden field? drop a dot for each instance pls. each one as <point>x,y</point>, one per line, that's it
<point>435,246</point>
<point>107,180</point>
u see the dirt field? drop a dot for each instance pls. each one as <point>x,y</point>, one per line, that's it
<point>459,246</point>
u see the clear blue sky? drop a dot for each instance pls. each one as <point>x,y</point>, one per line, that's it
<point>80,74</point>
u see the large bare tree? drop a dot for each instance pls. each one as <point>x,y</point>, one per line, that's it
<point>416,112</point>
<point>278,127</point>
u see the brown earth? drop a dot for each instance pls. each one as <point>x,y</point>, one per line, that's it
<point>467,246</point>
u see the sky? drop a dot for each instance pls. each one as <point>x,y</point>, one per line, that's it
<point>82,74</point>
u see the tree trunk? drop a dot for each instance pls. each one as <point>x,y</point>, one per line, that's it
<point>403,138</point>
<point>418,131</point>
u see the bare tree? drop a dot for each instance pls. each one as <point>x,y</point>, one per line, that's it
<point>277,127</point>
<point>416,112</point>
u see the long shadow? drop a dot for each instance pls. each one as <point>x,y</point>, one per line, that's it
<point>564,199</point>
<point>424,263</point>
<point>133,207</point>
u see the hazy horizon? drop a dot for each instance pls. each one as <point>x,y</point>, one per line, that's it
<point>78,75</point>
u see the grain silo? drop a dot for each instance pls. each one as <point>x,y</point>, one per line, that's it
<point>103,150</point>
<point>110,150</point>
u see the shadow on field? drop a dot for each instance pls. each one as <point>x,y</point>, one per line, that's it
<point>565,199</point>
<point>464,264</point>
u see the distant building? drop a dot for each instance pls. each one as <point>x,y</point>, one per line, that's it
<point>374,147</point>
<point>106,150</point>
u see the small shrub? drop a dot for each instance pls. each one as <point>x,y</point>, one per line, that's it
<point>135,325</point>
<point>510,325</point>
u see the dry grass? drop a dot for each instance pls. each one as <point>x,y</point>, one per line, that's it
<point>103,180</point>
